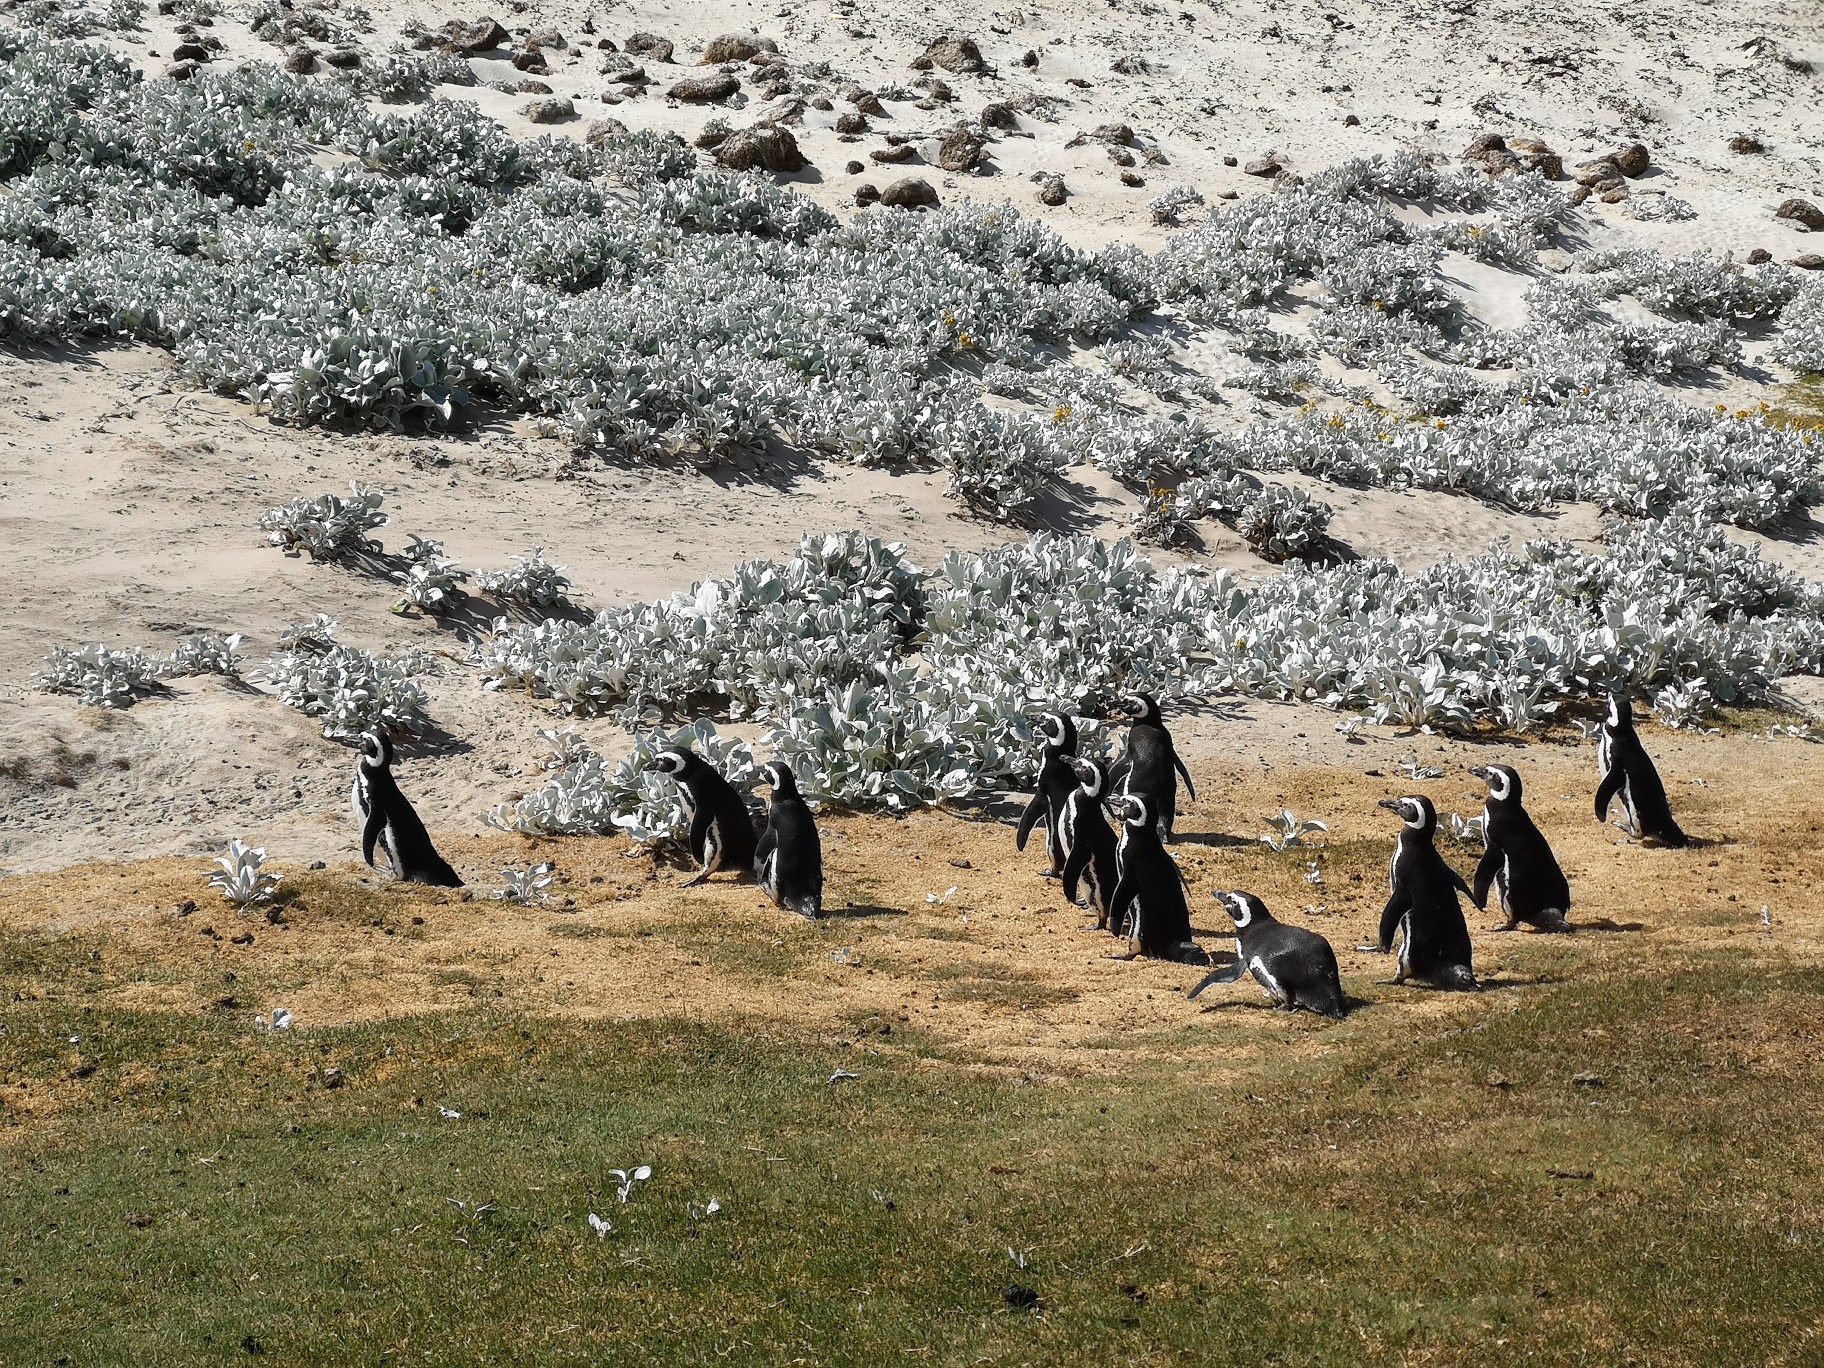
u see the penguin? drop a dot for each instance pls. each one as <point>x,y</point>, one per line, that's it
<point>1628,771</point>
<point>1434,945</point>
<point>1149,890</point>
<point>388,821</point>
<point>1149,765</point>
<point>721,829</point>
<point>1297,967</point>
<point>1056,783</point>
<point>1516,859</point>
<point>1089,842</point>
<point>788,862</point>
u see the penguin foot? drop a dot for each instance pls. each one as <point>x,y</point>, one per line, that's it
<point>1505,926</point>
<point>696,879</point>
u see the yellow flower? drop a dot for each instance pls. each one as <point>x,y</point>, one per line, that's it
<point>1061,413</point>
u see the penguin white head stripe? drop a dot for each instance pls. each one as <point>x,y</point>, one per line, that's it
<point>1240,906</point>
<point>1136,811</point>
<point>1414,809</point>
<point>778,774</point>
<point>1621,711</point>
<point>1503,783</point>
<point>669,762</point>
<point>1092,776</point>
<point>1051,727</point>
<point>376,750</point>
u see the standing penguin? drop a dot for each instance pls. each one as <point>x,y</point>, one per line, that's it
<point>1517,860</point>
<point>788,862</point>
<point>1056,784</point>
<point>1149,890</point>
<point>1149,765</point>
<point>1627,770</point>
<point>1434,945</point>
<point>1089,842</point>
<point>721,829</point>
<point>1296,966</point>
<point>389,822</point>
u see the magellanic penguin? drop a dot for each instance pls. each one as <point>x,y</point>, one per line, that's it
<point>1434,939</point>
<point>1627,771</point>
<point>1297,967</point>
<point>1056,783</point>
<point>1149,890</point>
<point>1089,842</point>
<point>1149,765</point>
<point>1516,860</point>
<point>789,859</point>
<point>389,823</point>
<point>721,828</point>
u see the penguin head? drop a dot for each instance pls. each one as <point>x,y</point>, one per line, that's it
<point>780,776</point>
<point>1415,810</point>
<point>672,761</point>
<point>1057,731</point>
<point>1138,707</point>
<point>1621,709</point>
<point>1503,782</point>
<point>1244,908</point>
<point>1092,777</point>
<point>1136,810</point>
<point>376,750</point>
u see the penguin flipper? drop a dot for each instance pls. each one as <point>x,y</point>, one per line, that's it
<point>1607,789</point>
<point>1118,901</point>
<point>1457,879</point>
<point>1189,787</point>
<point>1397,906</point>
<point>1486,869</point>
<point>1034,814</point>
<point>1074,865</point>
<point>1229,973</point>
<point>370,833</point>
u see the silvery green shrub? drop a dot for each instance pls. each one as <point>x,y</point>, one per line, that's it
<point>328,526</point>
<point>99,676</point>
<point>530,582</point>
<point>430,581</point>
<point>351,690</point>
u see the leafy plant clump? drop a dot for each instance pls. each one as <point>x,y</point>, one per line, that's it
<point>530,582</point>
<point>352,690</point>
<point>241,879</point>
<point>328,526</point>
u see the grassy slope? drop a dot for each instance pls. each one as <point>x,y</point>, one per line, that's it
<point>1390,1198</point>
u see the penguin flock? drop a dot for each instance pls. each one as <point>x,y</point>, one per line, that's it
<point>1123,873</point>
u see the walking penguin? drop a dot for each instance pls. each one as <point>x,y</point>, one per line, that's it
<point>389,822</point>
<point>1517,861</point>
<point>1627,772</point>
<point>1089,842</point>
<point>1149,765</point>
<point>789,859</point>
<point>1056,783</point>
<point>1297,967</point>
<point>1434,939</point>
<point>1149,890</point>
<point>721,829</point>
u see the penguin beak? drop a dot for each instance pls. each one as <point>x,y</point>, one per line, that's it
<point>1480,771</point>
<point>1391,804</point>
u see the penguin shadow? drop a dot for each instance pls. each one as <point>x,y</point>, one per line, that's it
<point>433,742</point>
<point>1606,925</point>
<point>1215,840</point>
<point>857,911</point>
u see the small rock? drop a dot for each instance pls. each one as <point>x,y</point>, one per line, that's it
<point>182,71</point>
<point>866,193</point>
<point>910,192</point>
<point>867,102</point>
<point>736,47</point>
<point>1000,115</point>
<point>1121,156</point>
<point>854,168</point>
<point>961,149</point>
<point>1052,192</point>
<point>1023,1298</point>
<point>1350,121</point>
<point>189,52</point>
<point>1810,261</point>
<point>1133,179</point>
<point>300,61</point>
<point>532,62</point>
<point>1230,161</point>
<point>1802,212</point>
<point>940,92</point>
<point>1760,256</point>
<point>761,148</point>
<point>545,38</point>
<point>703,89</point>
<point>1746,143</point>
<point>1534,155</point>
<point>343,58</point>
<point>549,111</point>
<point>649,46</point>
<point>1579,193</point>
<point>1118,133</point>
<point>902,153</point>
<point>851,122</point>
<point>600,130</point>
<point>959,55</point>
<point>1029,59</point>
<point>716,133</point>
<point>532,88</point>
<point>482,35</point>
<point>1268,165</point>
<point>632,76</point>
<point>1483,144</point>
<point>822,102</point>
<point>1615,196</point>
<point>1227,194</point>
<point>1595,172</point>
<point>1632,161</point>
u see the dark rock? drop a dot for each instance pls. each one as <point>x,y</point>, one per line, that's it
<point>1802,211</point>
<point>1268,165</point>
<point>300,61</point>
<point>1594,172</point>
<point>854,168</point>
<point>1052,191</point>
<point>773,92</point>
<point>1118,133</point>
<point>532,88</point>
<point>1615,196</point>
<point>999,115</point>
<point>904,152</point>
<point>1131,65</point>
<point>940,92</point>
<point>961,149</point>
<point>343,58</point>
<point>549,111</point>
<point>926,104</point>
<point>822,102</point>
<point>532,62</point>
<point>1029,59</point>
<point>1021,1298</point>
<point>1121,156</point>
<point>1746,143</point>
<point>1579,193</point>
<point>481,35</point>
<point>1230,161</point>
<point>1602,187</point>
<point>869,103</point>
<point>959,55</point>
<point>851,122</point>
<point>1632,161</point>
<point>1483,144</point>
<point>1811,261</point>
<point>1080,83</point>
<point>189,52</point>
<point>867,194</point>
<point>600,130</point>
<point>1760,256</point>
<point>701,89</point>
<point>546,38</point>
<point>602,44</point>
<point>1350,121</point>
<point>736,47</point>
<point>717,131</point>
<point>1133,179</point>
<point>761,148</point>
<point>182,71</point>
<point>910,192</point>
<point>649,46</point>
<point>1534,155</point>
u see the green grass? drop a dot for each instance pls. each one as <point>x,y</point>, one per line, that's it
<point>187,1186</point>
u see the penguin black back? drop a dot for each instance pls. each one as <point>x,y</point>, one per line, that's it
<point>1628,773</point>
<point>721,828</point>
<point>1297,967</point>
<point>390,824</point>
<point>1056,783</point>
<point>1149,765</point>
<point>1149,890</point>
<point>788,861</point>
<point>1434,944</point>
<point>1517,861</point>
<point>1089,842</point>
